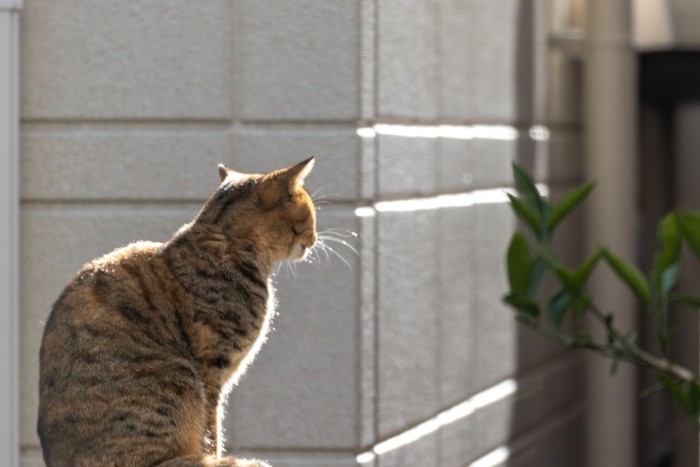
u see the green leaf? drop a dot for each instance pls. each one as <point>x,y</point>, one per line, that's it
<point>690,227</point>
<point>689,300</point>
<point>631,275</point>
<point>692,396</point>
<point>674,387</point>
<point>527,189</point>
<point>565,275</point>
<point>538,270</point>
<point>557,306</point>
<point>667,262</point>
<point>526,213</point>
<point>686,393</point>
<point>582,274</point>
<point>526,305</point>
<point>519,262</point>
<point>670,239</point>
<point>582,303</point>
<point>569,203</point>
<point>669,277</point>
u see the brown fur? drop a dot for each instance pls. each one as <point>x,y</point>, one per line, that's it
<point>142,345</point>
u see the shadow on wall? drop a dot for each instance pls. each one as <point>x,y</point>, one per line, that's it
<point>546,414</point>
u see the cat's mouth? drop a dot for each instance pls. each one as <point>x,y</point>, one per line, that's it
<point>298,252</point>
<point>301,248</point>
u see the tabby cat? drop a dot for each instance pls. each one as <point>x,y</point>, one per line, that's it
<point>143,344</point>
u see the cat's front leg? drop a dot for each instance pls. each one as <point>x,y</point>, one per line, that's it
<point>213,425</point>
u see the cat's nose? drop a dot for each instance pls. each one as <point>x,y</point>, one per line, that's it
<point>310,240</point>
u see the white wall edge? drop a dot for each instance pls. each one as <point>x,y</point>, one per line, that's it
<point>10,5</point>
<point>9,233</point>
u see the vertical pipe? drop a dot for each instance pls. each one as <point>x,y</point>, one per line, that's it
<point>9,232</point>
<point>610,121</point>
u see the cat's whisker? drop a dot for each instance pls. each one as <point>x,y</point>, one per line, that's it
<point>319,191</point>
<point>338,255</point>
<point>293,268</point>
<point>316,252</point>
<point>342,242</point>
<point>320,246</point>
<point>322,249</point>
<point>328,257</point>
<point>338,232</point>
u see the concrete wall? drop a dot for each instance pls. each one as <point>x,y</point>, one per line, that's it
<point>402,357</point>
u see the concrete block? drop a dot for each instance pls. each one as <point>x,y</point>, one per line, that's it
<point>457,50</point>
<point>93,165</point>
<point>369,164</point>
<point>456,318</point>
<point>406,165</point>
<point>484,76</point>
<point>303,389</point>
<point>466,164</point>
<point>495,327</point>
<point>534,349</point>
<point>456,164</point>
<point>107,60</point>
<point>422,452</point>
<point>517,420</point>
<point>557,442</point>
<point>457,442</point>
<point>337,174</point>
<point>494,157</point>
<point>284,69</point>
<point>368,49</point>
<point>539,396</point>
<point>56,242</point>
<point>407,312</point>
<point>542,394</point>
<point>495,425</point>
<point>407,74</point>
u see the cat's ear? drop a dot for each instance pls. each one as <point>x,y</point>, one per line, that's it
<point>226,172</point>
<point>223,172</point>
<point>295,175</point>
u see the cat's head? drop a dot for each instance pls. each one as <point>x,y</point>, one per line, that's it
<point>272,210</point>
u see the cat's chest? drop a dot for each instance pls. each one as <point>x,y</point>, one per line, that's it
<point>239,357</point>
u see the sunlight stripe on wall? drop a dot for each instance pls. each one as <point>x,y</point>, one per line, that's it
<point>476,197</point>
<point>478,401</point>
<point>493,458</point>
<point>491,132</point>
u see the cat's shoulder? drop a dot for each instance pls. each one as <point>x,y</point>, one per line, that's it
<point>133,252</point>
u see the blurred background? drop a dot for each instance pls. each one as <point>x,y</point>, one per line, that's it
<point>114,115</point>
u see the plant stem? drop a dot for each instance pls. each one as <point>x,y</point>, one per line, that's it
<point>627,351</point>
<point>642,356</point>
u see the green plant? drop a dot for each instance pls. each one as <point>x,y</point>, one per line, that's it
<point>560,317</point>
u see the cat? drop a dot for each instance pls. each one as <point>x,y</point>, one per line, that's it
<point>143,344</point>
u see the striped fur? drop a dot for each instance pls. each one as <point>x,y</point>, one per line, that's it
<point>142,345</point>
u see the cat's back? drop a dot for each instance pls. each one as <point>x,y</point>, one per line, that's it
<point>105,292</point>
<point>111,353</point>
